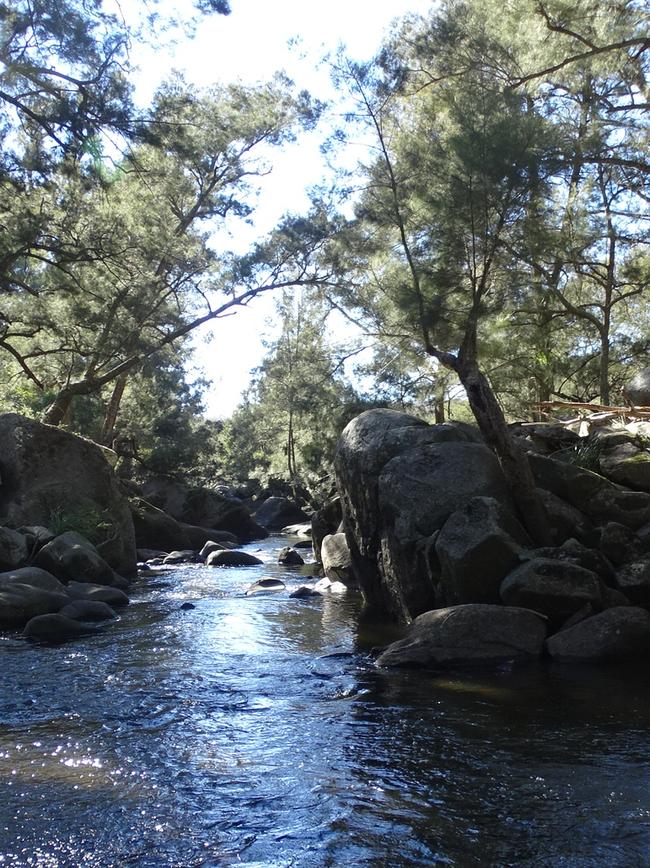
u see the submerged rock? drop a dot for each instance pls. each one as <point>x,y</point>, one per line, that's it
<point>231,558</point>
<point>55,628</point>
<point>473,634</point>
<point>265,586</point>
<point>289,557</point>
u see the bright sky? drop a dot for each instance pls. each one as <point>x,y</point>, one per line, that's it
<point>251,44</point>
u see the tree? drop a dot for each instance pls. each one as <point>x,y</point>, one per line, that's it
<point>298,405</point>
<point>140,272</point>
<point>456,222</point>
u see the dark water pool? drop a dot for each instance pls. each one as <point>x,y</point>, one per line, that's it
<point>256,731</point>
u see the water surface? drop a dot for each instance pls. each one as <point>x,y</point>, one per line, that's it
<point>257,731</point>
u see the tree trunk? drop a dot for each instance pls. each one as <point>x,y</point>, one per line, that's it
<point>56,412</point>
<point>113,409</point>
<point>439,410</point>
<point>513,459</point>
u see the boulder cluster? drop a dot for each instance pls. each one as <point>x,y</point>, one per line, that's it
<point>436,543</point>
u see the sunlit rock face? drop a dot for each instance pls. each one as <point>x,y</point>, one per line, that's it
<point>50,477</point>
<point>400,479</point>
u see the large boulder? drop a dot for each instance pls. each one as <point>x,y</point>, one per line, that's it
<point>621,633</point>
<point>557,589</point>
<point>204,508</point>
<point>278,512</point>
<point>624,457</point>
<point>477,547</point>
<point>400,479</point>
<point>71,557</point>
<point>56,479</point>
<point>596,497</point>
<point>477,634</point>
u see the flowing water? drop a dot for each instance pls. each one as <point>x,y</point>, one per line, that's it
<point>256,730</point>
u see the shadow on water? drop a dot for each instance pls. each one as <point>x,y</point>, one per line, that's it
<point>257,730</point>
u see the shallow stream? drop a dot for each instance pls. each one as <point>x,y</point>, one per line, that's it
<point>257,730</point>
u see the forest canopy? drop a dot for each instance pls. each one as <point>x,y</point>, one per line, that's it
<point>491,246</point>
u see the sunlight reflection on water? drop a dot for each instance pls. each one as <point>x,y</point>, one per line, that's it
<point>257,731</point>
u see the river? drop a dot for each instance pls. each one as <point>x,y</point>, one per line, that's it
<point>257,730</point>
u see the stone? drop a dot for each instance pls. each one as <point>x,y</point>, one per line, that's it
<point>71,556</point>
<point>627,464</point>
<point>289,557</point>
<point>544,437</point>
<point>35,578</point>
<point>187,556</point>
<point>336,560</point>
<point>476,548</point>
<point>14,549</point>
<point>101,593</point>
<point>596,497</point>
<point>566,521</point>
<point>39,535</point>
<point>400,479</point>
<point>557,589</point>
<point>51,477</point>
<point>27,592</point>
<point>304,592</point>
<point>265,586</point>
<point>621,633</point>
<point>277,512</point>
<point>55,628</point>
<point>633,580</point>
<point>150,554</point>
<point>231,558</point>
<point>619,544</point>
<point>186,607</point>
<point>213,546</point>
<point>300,529</point>
<point>573,552</point>
<point>88,610</point>
<point>472,634</point>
